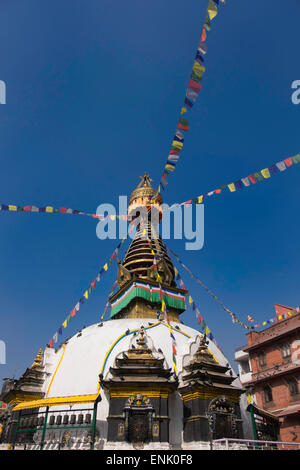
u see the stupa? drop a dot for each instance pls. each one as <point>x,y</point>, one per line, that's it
<point>113,386</point>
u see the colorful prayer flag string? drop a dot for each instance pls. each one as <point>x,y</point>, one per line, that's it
<point>279,317</point>
<point>193,89</point>
<point>233,316</point>
<point>86,294</point>
<point>163,303</point>
<point>108,304</point>
<point>261,175</point>
<point>62,210</point>
<point>202,324</point>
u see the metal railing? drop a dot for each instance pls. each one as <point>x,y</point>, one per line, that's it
<point>244,444</point>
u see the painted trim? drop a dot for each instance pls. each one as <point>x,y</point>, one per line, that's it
<point>119,392</point>
<point>63,353</point>
<point>57,401</point>
<point>210,394</point>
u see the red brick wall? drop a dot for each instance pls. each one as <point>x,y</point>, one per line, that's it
<point>280,389</point>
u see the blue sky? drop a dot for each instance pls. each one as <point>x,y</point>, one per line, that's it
<point>94,91</point>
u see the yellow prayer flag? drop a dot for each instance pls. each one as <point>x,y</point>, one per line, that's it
<point>12,208</point>
<point>86,294</point>
<point>176,271</point>
<point>65,323</point>
<point>190,300</point>
<point>177,144</point>
<point>200,199</point>
<point>290,314</point>
<point>198,69</point>
<point>175,368</point>
<point>231,186</point>
<point>183,110</point>
<point>207,330</point>
<point>112,217</point>
<point>105,267</point>
<point>49,209</point>
<point>265,172</point>
<point>279,317</point>
<point>169,167</point>
<point>212,10</point>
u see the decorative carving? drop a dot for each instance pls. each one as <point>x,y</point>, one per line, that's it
<point>138,400</point>
<point>221,418</point>
<point>163,270</point>
<point>123,276</point>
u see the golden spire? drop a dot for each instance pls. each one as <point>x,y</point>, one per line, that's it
<point>141,340</point>
<point>144,190</point>
<point>38,361</point>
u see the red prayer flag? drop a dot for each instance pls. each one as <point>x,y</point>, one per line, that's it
<point>203,35</point>
<point>182,127</point>
<point>73,312</point>
<point>194,85</point>
<point>288,161</point>
<point>174,152</point>
<point>218,191</point>
<point>27,208</point>
<point>252,178</point>
<point>174,350</point>
<point>62,210</point>
<point>51,343</point>
<point>93,284</point>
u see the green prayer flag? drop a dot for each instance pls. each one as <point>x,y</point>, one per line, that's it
<point>195,78</point>
<point>296,158</point>
<point>207,24</point>
<point>183,121</point>
<point>259,176</point>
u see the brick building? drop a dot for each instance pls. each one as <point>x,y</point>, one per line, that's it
<point>274,355</point>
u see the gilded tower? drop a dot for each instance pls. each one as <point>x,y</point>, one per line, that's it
<point>147,272</point>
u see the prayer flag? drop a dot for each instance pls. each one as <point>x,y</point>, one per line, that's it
<point>246,181</point>
<point>194,85</point>
<point>198,69</point>
<point>192,95</point>
<point>202,47</point>
<point>258,176</point>
<point>207,24</point>
<point>265,172</point>
<point>252,179</point>
<point>288,161</point>
<point>281,166</point>
<point>212,10</point>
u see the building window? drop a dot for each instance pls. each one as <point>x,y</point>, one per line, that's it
<point>245,367</point>
<point>293,386</point>
<point>268,394</point>
<point>285,349</point>
<point>262,359</point>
